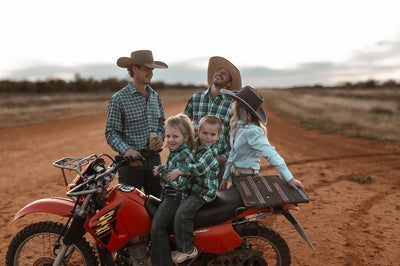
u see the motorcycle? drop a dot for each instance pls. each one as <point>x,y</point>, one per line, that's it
<point>111,223</point>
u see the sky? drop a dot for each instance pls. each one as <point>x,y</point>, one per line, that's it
<point>273,43</point>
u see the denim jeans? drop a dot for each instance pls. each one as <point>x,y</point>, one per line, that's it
<point>160,246</point>
<point>183,223</point>
<point>238,177</point>
<point>221,171</point>
<point>142,176</point>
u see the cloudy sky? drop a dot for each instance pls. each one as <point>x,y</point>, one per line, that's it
<point>273,43</point>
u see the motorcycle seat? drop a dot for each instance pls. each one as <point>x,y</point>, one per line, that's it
<point>218,211</point>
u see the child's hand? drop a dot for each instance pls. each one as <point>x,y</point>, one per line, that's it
<point>294,183</point>
<point>174,174</point>
<point>155,170</point>
<point>222,186</point>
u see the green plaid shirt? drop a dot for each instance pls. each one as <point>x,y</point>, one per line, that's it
<point>204,172</point>
<point>179,158</point>
<point>202,104</point>
<point>131,119</point>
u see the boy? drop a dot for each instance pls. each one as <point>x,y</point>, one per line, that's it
<point>204,188</point>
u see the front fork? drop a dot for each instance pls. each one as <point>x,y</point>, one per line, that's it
<point>75,230</point>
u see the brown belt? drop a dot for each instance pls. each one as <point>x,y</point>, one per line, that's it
<point>245,171</point>
<point>148,153</point>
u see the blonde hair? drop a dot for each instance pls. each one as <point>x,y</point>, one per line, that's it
<point>212,120</point>
<point>240,112</point>
<point>184,124</point>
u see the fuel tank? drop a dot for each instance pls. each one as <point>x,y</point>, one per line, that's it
<point>123,217</point>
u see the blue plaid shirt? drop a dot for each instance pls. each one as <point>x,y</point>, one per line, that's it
<point>202,104</point>
<point>131,119</point>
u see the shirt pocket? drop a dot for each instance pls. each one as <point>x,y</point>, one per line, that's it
<point>153,117</point>
<point>135,122</point>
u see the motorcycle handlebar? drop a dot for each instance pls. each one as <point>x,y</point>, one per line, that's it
<point>116,164</point>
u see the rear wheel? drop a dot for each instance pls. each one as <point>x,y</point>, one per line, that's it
<point>35,245</point>
<point>263,245</point>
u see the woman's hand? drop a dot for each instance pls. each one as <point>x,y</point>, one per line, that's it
<point>294,183</point>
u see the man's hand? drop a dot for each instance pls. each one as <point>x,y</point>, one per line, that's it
<point>133,153</point>
<point>157,144</point>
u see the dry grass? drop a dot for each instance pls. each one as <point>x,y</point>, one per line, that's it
<point>369,114</point>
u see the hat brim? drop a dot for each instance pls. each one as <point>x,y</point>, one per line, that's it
<point>259,113</point>
<point>126,62</point>
<point>216,63</point>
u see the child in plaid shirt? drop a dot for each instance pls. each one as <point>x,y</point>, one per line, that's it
<point>204,188</point>
<point>179,135</point>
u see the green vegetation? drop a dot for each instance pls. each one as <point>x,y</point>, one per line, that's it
<point>361,179</point>
<point>77,85</point>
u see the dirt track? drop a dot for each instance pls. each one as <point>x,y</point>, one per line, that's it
<point>348,223</point>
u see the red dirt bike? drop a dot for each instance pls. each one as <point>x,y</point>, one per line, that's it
<point>111,224</point>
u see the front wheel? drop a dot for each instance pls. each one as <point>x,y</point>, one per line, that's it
<point>35,245</point>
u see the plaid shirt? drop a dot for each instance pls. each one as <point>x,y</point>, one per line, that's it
<point>202,104</point>
<point>204,171</point>
<point>131,119</point>
<point>179,158</point>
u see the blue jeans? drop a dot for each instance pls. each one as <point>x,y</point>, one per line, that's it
<point>221,171</point>
<point>160,246</point>
<point>183,223</point>
<point>142,176</point>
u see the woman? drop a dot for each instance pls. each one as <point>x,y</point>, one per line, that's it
<point>249,141</point>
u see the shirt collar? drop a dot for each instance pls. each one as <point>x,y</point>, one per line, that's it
<point>208,92</point>
<point>133,89</point>
<point>183,146</point>
<point>198,145</point>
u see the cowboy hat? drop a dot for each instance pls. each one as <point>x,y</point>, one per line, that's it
<point>251,99</point>
<point>215,63</point>
<point>141,58</point>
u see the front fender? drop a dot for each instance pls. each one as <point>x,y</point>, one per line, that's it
<point>58,206</point>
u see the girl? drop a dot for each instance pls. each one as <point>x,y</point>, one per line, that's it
<point>248,139</point>
<point>179,135</point>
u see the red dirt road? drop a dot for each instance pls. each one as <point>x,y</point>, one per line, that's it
<point>348,223</point>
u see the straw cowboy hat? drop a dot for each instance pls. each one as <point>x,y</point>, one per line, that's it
<point>215,63</point>
<point>251,99</point>
<point>141,58</point>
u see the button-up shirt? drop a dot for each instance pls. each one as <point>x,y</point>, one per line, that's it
<point>131,118</point>
<point>249,144</point>
<point>179,158</point>
<point>202,104</point>
<point>204,172</point>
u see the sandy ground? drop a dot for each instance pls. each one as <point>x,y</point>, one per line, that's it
<point>348,223</point>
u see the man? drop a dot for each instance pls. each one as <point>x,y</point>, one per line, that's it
<point>134,112</point>
<point>222,74</point>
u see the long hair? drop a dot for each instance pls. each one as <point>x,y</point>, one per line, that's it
<point>240,112</point>
<point>184,124</point>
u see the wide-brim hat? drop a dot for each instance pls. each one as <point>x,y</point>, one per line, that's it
<point>251,99</point>
<point>215,63</point>
<point>140,58</point>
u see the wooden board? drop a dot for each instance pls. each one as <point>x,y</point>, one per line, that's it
<point>263,191</point>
